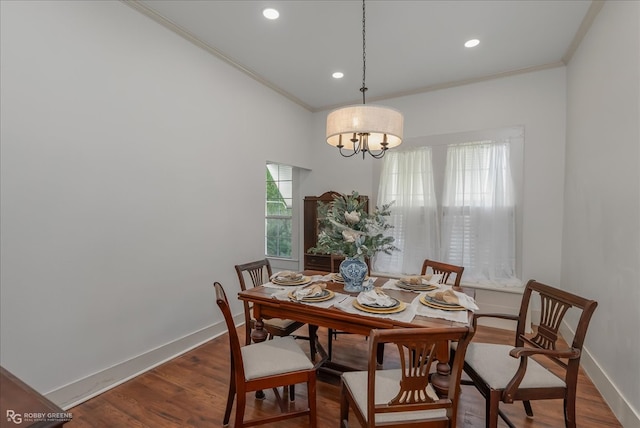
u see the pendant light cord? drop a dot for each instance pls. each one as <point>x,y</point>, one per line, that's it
<point>364,54</point>
<point>351,129</point>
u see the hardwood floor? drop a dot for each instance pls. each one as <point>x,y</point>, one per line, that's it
<point>191,391</point>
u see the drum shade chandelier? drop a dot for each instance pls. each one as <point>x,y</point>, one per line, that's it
<point>364,128</point>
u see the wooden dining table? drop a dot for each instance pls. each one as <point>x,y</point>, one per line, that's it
<point>265,306</point>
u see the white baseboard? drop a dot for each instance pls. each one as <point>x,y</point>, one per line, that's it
<point>76,392</point>
<point>619,405</point>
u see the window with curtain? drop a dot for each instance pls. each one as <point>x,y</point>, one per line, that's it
<point>478,212</point>
<point>407,179</point>
<point>454,202</point>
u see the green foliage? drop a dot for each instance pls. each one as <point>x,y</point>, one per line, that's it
<point>278,230</point>
<point>348,230</point>
<point>278,242</point>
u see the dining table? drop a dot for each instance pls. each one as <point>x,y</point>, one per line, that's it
<point>273,300</point>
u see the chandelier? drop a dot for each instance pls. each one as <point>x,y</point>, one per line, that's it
<point>364,128</point>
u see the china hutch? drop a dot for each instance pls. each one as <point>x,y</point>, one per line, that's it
<point>312,229</point>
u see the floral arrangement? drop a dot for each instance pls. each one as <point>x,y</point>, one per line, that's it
<point>348,230</point>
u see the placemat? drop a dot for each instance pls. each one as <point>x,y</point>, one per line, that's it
<point>426,311</point>
<point>346,305</point>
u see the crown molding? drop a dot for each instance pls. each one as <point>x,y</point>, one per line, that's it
<point>590,16</point>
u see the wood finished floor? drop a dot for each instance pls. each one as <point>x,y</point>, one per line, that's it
<point>191,390</point>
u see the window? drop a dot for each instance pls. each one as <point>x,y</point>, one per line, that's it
<point>478,211</point>
<point>279,211</point>
<point>408,183</point>
<point>455,201</point>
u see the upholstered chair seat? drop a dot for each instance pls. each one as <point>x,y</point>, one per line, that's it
<point>273,357</point>
<point>497,367</point>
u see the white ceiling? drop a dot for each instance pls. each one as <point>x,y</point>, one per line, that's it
<point>411,46</point>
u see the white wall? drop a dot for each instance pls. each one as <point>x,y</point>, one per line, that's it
<point>601,243</point>
<point>120,205</point>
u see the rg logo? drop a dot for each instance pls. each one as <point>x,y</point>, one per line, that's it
<point>14,417</point>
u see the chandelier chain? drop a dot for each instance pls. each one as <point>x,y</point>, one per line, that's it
<point>364,54</point>
<point>364,129</point>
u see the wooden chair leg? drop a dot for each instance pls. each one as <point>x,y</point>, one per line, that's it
<point>380,353</point>
<point>241,402</point>
<point>311,399</point>
<point>292,393</point>
<point>344,407</point>
<point>247,335</point>
<point>330,343</point>
<point>492,404</point>
<point>570,413</point>
<point>527,408</point>
<point>313,336</point>
<point>230,396</point>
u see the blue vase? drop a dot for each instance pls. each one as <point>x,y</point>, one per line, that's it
<point>353,271</point>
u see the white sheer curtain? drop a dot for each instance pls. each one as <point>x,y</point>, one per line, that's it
<point>407,179</point>
<point>478,218</point>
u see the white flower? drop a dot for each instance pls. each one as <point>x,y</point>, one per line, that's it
<point>352,217</point>
<point>350,235</point>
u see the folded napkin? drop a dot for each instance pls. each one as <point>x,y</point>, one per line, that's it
<point>454,297</point>
<point>312,290</point>
<point>447,296</point>
<point>415,280</point>
<point>287,275</point>
<point>426,279</point>
<point>376,297</point>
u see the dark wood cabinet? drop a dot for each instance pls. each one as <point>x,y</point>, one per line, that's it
<point>311,230</point>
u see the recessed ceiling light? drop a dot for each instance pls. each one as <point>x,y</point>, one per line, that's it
<point>338,75</point>
<point>270,13</point>
<point>472,43</point>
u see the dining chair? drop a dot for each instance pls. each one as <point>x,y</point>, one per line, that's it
<point>504,373</point>
<point>264,365</point>
<point>260,272</point>
<point>444,269</point>
<point>405,397</point>
<point>336,259</point>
